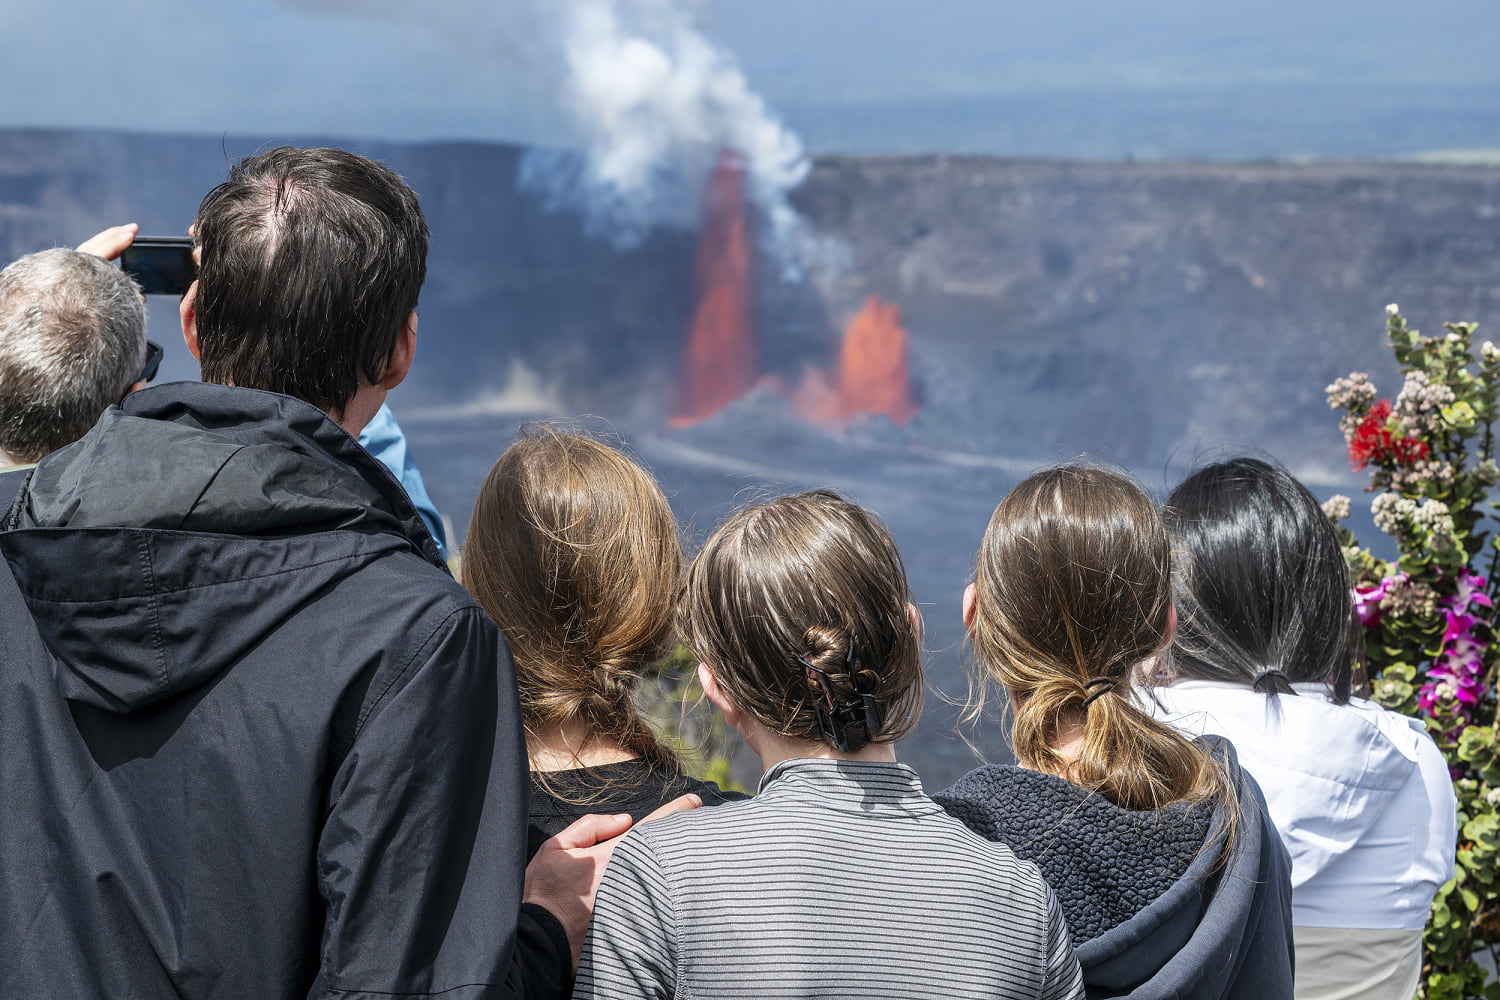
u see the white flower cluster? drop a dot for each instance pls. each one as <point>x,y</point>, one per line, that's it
<point>1412,478</point>
<point>1393,310</point>
<point>1354,393</point>
<point>1404,596</point>
<point>1420,404</point>
<point>1336,507</point>
<point>1434,516</point>
<point>1393,514</point>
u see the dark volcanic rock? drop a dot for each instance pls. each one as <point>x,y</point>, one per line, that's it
<point>1151,310</point>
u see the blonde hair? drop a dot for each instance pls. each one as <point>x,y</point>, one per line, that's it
<point>575,553</point>
<point>1073,589</point>
<point>810,577</point>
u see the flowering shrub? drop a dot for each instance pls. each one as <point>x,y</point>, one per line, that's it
<point>1430,638</point>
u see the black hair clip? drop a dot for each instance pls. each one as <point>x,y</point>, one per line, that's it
<point>859,710</point>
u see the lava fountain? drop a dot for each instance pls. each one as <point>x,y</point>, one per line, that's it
<point>874,365</point>
<point>873,374</point>
<point>718,364</point>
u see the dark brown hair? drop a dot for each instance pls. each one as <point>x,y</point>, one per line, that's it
<point>575,553</point>
<point>815,577</point>
<point>311,261</point>
<point>1072,591</point>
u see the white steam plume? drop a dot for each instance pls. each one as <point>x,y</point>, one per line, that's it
<point>648,99</point>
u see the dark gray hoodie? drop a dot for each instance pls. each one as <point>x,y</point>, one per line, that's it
<point>1156,905</point>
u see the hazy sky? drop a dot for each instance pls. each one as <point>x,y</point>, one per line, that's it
<point>1088,77</point>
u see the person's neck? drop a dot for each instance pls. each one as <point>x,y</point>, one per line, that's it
<point>1067,741</point>
<point>773,748</point>
<point>569,746</point>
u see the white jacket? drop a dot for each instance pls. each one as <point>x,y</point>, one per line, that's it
<point>1361,796</point>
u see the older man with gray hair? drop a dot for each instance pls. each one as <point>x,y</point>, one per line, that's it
<point>72,343</point>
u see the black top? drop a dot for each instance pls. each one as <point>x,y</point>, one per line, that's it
<point>631,786</point>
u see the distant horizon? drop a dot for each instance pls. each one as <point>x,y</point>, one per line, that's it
<point>1160,79</point>
<point>1480,156</point>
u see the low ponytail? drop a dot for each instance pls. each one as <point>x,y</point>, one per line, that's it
<point>1137,761</point>
<point>1072,593</point>
<point>609,708</point>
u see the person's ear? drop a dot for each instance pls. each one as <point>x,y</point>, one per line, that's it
<point>1171,632</point>
<point>915,616</point>
<point>186,310</point>
<point>718,695</point>
<point>398,365</point>
<point>968,605</point>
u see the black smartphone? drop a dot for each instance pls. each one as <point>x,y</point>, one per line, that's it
<point>161,265</point>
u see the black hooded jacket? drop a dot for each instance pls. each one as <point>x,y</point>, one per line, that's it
<point>254,739</point>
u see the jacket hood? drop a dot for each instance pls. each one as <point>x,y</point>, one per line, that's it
<point>1223,929</point>
<point>157,550</point>
<point>1160,903</point>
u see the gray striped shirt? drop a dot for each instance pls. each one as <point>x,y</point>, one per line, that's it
<point>840,879</point>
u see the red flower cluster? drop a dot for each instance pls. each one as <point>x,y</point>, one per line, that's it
<point>1373,441</point>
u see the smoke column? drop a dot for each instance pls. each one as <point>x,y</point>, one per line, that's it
<point>646,97</point>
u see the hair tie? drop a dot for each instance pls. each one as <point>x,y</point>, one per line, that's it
<point>1104,684</point>
<point>1255,684</point>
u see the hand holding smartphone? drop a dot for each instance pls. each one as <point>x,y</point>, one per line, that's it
<point>161,265</point>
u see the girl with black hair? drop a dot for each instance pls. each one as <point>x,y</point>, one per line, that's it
<point>1264,655</point>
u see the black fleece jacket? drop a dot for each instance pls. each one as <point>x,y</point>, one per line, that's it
<point>1162,905</point>
<point>254,740</point>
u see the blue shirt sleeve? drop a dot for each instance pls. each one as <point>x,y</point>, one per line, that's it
<point>384,439</point>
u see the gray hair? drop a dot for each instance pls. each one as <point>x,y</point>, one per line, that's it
<point>72,342</point>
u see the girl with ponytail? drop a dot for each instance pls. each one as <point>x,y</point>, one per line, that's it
<point>574,552</point>
<point>840,877</point>
<point>1159,848</point>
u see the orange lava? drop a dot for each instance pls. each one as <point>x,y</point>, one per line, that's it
<point>873,374</point>
<point>718,365</point>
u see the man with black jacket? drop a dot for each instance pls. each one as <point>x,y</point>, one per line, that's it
<point>254,740</point>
